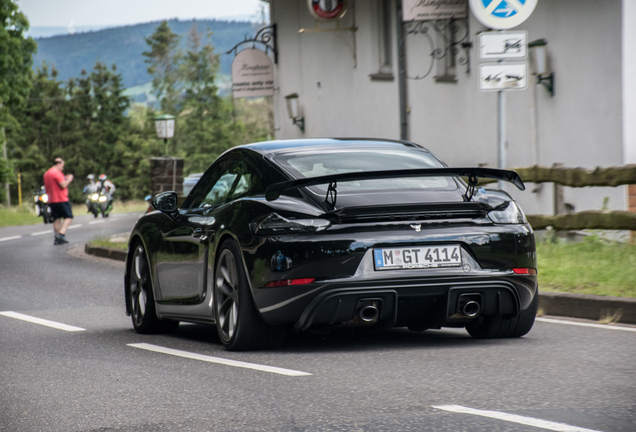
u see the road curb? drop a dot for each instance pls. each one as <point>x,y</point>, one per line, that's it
<point>586,306</point>
<point>596,308</point>
<point>105,252</point>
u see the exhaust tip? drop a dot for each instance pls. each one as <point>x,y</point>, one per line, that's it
<point>471,309</point>
<point>369,313</point>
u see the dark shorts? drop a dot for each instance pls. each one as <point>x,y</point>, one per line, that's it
<point>61,210</point>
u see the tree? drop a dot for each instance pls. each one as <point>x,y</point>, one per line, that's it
<point>15,74</point>
<point>186,85</point>
<point>84,122</point>
<point>163,60</point>
<point>206,126</point>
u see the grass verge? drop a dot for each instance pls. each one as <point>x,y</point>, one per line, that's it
<point>25,215</point>
<point>107,243</point>
<point>593,266</point>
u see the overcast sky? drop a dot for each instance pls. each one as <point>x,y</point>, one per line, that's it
<point>109,13</point>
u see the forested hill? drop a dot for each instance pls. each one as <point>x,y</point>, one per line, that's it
<point>124,46</point>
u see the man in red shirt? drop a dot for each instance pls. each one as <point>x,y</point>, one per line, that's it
<point>56,184</point>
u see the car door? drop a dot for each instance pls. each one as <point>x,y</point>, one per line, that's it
<point>183,270</point>
<point>182,257</point>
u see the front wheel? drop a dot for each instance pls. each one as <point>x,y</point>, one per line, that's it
<point>141,302</point>
<point>237,321</point>
<point>498,326</point>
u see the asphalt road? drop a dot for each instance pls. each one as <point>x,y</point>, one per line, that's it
<point>105,377</point>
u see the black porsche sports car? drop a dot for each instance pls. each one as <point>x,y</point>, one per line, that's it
<point>316,233</point>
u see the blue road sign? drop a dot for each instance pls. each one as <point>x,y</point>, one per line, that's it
<point>502,14</point>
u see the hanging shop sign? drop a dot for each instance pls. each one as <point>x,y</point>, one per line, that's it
<point>327,10</point>
<point>424,10</point>
<point>502,14</point>
<point>252,74</point>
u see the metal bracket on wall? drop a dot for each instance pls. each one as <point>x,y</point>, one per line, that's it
<point>266,37</point>
<point>454,35</point>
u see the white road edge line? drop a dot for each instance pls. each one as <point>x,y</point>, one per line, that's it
<point>96,222</point>
<point>41,321</point>
<point>42,232</point>
<point>10,238</point>
<point>210,359</point>
<point>529,421</point>
<point>582,324</point>
<point>74,226</point>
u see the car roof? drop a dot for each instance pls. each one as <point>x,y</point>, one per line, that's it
<point>310,144</point>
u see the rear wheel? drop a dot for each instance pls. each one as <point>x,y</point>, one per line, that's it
<point>498,326</point>
<point>237,320</point>
<point>141,298</point>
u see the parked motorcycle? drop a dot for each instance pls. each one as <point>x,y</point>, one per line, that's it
<point>42,207</point>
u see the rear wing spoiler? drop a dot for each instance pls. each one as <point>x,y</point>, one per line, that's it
<point>274,191</point>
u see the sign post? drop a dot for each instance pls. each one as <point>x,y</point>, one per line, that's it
<point>502,46</point>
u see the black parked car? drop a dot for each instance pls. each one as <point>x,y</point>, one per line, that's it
<point>312,234</point>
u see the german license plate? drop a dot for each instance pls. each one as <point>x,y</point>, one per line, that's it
<point>417,257</point>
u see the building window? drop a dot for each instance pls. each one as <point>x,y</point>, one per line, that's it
<point>384,16</point>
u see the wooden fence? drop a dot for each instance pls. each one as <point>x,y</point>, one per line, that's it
<point>581,177</point>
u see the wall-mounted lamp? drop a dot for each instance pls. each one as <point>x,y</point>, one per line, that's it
<point>539,64</point>
<point>293,109</point>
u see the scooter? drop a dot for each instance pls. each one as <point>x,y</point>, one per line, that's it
<point>42,207</point>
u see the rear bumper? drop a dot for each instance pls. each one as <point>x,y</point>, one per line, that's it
<point>416,303</point>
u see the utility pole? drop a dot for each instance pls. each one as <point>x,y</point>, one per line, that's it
<point>402,84</point>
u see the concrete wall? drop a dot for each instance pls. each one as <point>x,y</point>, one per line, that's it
<point>582,125</point>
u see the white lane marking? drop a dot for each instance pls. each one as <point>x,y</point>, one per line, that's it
<point>74,226</point>
<point>210,359</point>
<point>96,222</point>
<point>10,238</point>
<point>41,321</point>
<point>582,324</point>
<point>42,232</point>
<point>529,421</point>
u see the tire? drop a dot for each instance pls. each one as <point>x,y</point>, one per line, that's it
<point>141,299</point>
<point>46,214</point>
<point>238,324</point>
<point>498,326</point>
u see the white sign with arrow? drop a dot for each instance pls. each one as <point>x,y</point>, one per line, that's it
<point>503,76</point>
<point>503,45</point>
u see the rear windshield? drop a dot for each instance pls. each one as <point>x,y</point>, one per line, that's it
<point>365,160</point>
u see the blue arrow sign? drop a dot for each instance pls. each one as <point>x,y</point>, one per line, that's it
<point>502,14</point>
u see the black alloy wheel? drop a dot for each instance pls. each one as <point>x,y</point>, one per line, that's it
<point>141,300</point>
<point>237,320</point>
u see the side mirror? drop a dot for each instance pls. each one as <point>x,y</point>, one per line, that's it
<point>165,202</point>
<point>148,198</point>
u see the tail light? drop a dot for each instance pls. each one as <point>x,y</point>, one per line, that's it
<point>507,213</point>
<point>525,271</point>
<point>287,282</point>
<point>276,224</point>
